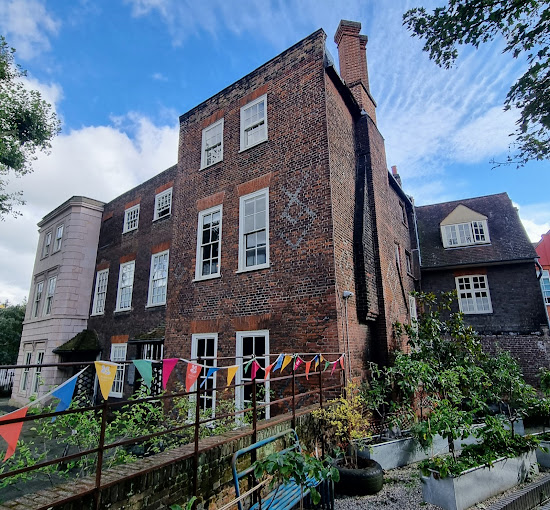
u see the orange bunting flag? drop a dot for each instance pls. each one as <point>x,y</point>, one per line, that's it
<point>193,372</point>
<point>268,369</point>
<point>287,360</point>
<point>106,372</point>
<point>308,367</point>
<point>342,362</point>
<point>299,361</point>
<point>12,431</point>
<point>231,371</point>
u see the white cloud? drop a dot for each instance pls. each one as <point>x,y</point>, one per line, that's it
<point>50,92</point>
<point>535,219</point>
<point>99,162</point>
<point>159,77</point>
<point>27,26</point>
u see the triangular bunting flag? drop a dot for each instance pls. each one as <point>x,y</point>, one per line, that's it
<point>287,360</point>
<point>145,369</point>
<point>268,369</point>
<point>326,366</point>
<point>308,367</point>
<point>211,371</point>
<point>106,372</point>
<point>316,359</point>
<point>299,361</point>
<point>334,367</point>
<point>231,371</point>
<point>279,362</point>
<point>193,372</point>
<point>12,431</point>
<point>255,366</point>
<point>65,394</point>
<point>168,365</point>
<point>342,362</point>
<point>247,365</point>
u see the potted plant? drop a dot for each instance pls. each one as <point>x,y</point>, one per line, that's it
<point>345,428</point>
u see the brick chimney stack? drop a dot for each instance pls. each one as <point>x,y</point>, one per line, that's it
<point>396,175</point>
<point>352,54</point>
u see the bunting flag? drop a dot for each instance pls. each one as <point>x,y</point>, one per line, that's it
<point>308,366</point>
<point>167,367</point>
<point>342,362</point>
<point>317,357</point>
<point>193,372</point>
<point>279,362</point>
<point>211,371</point>
<point>299,362</point>
<point>145,369</point>
<point>12,431</point>
<point>247,365</point>
<point>64,393</point>
<point>326,365</point>
<point>334,367</point>
<point>287,360</point>
<point>106,372</point>
<point>268,369</point>
<point>255,366</point>
<point>231,371</point>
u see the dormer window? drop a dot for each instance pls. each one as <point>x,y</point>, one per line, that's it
<point>464,227</point>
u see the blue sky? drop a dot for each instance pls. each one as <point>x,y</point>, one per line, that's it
<point>119,73</point>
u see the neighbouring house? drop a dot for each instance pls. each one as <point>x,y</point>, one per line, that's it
<point>279,230</point>
<point>59,297</point>
<point>543,251</point>
<point>479,248</point>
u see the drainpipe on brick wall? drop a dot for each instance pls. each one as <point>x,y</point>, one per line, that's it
<point>346,295</point>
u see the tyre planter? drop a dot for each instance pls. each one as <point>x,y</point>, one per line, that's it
<point>477,484</point>
<point>368,478</point>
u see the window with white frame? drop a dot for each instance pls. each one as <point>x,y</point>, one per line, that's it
<point>26,370</point>
<point>47,244</point>
<point>413,313</point>
<point>212,144</point>
<point>252,345</point>
<point>118,354</point>
<point>102,278</point>
<point>473,294</point>
<point>125,286</point>
<point>158,279</point>
<point>209,234</point>
<point>254,122</point>
<point>37,371</point>
<point>545,286</point>
<point>397,256</point>
<point>204,348</point>
<point>49,295</point>
<point>58,237</point>
<point>408,261</point>
<point>37,298</point>
<point>131,219</point>
<point>163,204</point>
<point>465,234</point>
<point>254,230</point>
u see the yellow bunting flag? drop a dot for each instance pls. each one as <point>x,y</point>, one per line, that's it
<point>287,360</point>
<point>317,361</point>
<point>106,372</point>
<point>231,371</point>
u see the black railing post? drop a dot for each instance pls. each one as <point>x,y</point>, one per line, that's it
<point>197,436</point>
<point>293,396</point>
<point>321,406</point>
<point>101,446</point>
<point>253,457</point>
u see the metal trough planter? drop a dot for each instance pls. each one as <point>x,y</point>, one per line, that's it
<point>477,484</point>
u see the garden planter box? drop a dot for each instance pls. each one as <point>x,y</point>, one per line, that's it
<point>543,458</point>
<point>477,484</point>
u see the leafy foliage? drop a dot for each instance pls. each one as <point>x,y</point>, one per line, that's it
<point>11,327</point>
<point>304,469</point>
<point>525,27</point>
<point>27,124</point>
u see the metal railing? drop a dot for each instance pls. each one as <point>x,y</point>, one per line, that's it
<point>314,390</point>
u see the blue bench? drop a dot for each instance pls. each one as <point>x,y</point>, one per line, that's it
<point>288,495</point>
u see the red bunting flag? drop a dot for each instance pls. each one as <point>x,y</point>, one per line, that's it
<point>193,372</point>
<point>342,362</point>
<point>255,366</point>
<point>333,367</point>
<point>268,369</point>
<point>12,431</point>
<point>308,367</point>
<point>167,367</point>
<point>299,361</point>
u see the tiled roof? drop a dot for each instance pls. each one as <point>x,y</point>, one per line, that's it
<point>508,238</point>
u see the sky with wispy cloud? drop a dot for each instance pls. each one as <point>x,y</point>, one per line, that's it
<point>120,72</point>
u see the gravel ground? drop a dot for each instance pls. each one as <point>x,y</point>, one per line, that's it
<point>402,491</point>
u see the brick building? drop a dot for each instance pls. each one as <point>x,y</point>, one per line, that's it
<point>543,251</point>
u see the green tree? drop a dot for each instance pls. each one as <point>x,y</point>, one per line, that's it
<point>27,124</point>
<point>11,326</point>
<point>525,27</point>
